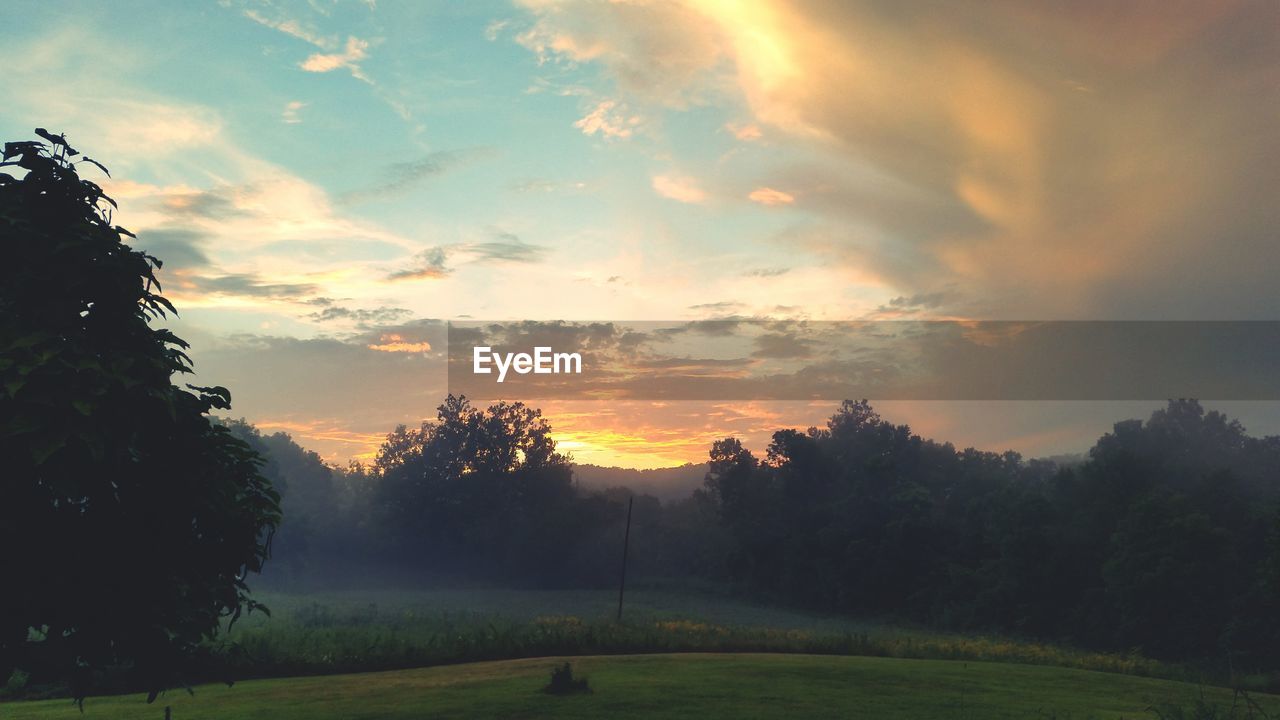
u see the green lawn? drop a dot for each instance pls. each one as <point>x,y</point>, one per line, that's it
<point>688,685</point>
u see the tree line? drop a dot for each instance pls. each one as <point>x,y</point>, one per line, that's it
<point>1166,539</point>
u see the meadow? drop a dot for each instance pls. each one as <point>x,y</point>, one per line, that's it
<point>369,630</point>
<point>689,685</point>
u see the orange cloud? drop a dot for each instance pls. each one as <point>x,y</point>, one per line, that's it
<point>769,196</point>
<point>328,437</point>
<point>609,120</point>
<point>355,51</point>
<point>395,343</point>
<point>427,273</point>
<point>976,162</point>
<point>746,133</point>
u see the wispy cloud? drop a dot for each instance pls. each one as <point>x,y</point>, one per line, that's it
<point>348,59</point>
<point>679,188</point>
<point>610,120</point>
<point>290,115</point>
<point>336,55</point>
<point>293,28</point>
<point>718,307</point>
<point>433,263</point>
<point>495,28</point>
<point>379,315</point>
<point>427,265</point>
<point>401,176</point>
<point>767,272</point>
<point>746,132</point>
<point>250,285</point>
<point>769,196</point>
<point>177,248</point>
<point>907,305</point>
<point>507,247</point>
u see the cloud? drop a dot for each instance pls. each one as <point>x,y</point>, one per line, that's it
<point>781,346</point>
<point>254,243</point>
<point>396,343</point>
<point>433,263</point>
<point>176,248</point>
<point>678,188</point>
<point>767,272</point>
<point>538,185</point>
<point>428,265</point>
<point>366,392</point>
<point>769,196</point>
<point>914,303</point>
<point>506,248</point>
<point>656,51</point>
<point>962,155</point>
<point>354,51</point>
<point>402,176</point>
<point>291,109</point>
<point>293,28</point>
<point>763,359</point>
<point>722,306</point>
<point>379,315</point>
<point>609,120</point>
<point>269,208</point>
<point>189,203</point>
<point>339,56</point>
<point>747,132</point>
<point>249,285</point>
<point>495,28</point>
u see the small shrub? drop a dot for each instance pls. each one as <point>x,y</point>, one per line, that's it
<point>564,683</point>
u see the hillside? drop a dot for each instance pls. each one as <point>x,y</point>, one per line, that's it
<point>666,484</point>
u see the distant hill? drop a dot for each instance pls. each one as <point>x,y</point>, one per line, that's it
<point>666,484</point>
<point>1067,460</point>
<point>675,483</point>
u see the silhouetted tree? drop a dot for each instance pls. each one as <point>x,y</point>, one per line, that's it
<point>479,492</point>
<point>1167,539</point>
<point>308,499</point>
<point>128,520</point>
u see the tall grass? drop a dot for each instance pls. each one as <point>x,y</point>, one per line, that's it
<point>363,631</point>
<point>337,634</point>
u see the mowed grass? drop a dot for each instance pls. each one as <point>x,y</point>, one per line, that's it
<point>674,686</point>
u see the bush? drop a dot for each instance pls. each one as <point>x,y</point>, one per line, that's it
<point>564,683</point>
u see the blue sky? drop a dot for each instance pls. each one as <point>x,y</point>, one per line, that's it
<point>320,176</point>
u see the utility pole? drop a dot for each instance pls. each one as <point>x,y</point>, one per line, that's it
<point>626,539</point>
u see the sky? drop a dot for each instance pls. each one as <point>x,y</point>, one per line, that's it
<point>325,181</point>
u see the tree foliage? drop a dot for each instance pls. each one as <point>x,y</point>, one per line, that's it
<point>1167,539</point>
<point>128,520</point>
<point>479,491</point>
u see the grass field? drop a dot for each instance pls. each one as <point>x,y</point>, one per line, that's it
<point>678,686</point>
<point>336,632</point>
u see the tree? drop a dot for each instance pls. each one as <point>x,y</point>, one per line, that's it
<point>128,520</point>
<point>480,491</point>
<point>308,500</point>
